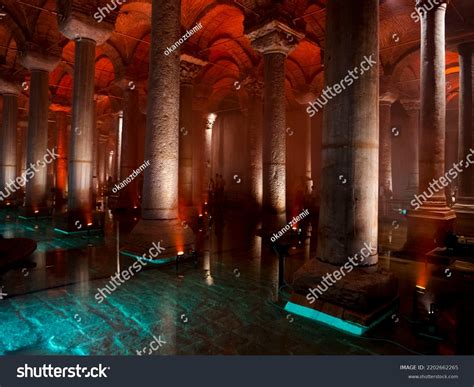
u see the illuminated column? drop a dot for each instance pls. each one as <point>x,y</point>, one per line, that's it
<point>36,189</point>
<point>255,132</point>
<point>61,148</point>
<point>464,207</point>
<point>199,149</point>
<point>348,220</point>
<point>81,151</point>
<point>128,195</point>
<point>412,108</point>
<point>429,224</point>
<point>275,41</point>
<point>160,189</point>
<point>8,135</point>
<point>189,69</point>
<point>350,149</point>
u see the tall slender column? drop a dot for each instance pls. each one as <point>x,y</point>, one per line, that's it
<point>385,153</point>
<point>62,148</point>
<point>8,156</point>
<point>429,223</point>
<point>275,41</point>
<point>128,196</point>
<point>160,190</point>
<point>199,150</point>
<point>464,207</point>
<point>412,108</point>
<point>86,37</point>
<point>255,139</point>
<point>189,69</point>
<point>36,189</point>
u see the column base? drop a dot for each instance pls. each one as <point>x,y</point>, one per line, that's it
<point>357,302</point>
<point>79,222</point>
<point>29,212</point>
<point>428,227</point>
<point>464,224</point>
<point>174,236</point>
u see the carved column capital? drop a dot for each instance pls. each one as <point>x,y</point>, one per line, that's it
<point>274,37</point>
<point>190,67</point>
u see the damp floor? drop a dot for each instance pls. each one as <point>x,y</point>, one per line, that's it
<point>230,304</point>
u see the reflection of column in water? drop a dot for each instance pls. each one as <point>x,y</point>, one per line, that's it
<point>117,239</point>
<point>257,254</point>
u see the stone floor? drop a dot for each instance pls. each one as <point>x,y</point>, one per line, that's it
<point>229,305</point>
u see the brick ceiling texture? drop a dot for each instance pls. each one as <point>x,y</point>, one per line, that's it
<point>223,44</point>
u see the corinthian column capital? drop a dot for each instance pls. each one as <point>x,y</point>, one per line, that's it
<point>274,37</point>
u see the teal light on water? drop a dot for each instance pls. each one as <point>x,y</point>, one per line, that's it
<point>160,261</point>
<point>335,322</point>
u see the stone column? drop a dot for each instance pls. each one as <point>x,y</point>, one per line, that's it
<point>255,139</point>
<point>62,150</point>
<point>431,220</point>
<point>412,108</point>
<point>189,69</point>
<point>160,191</point>
<point>464,207</point>
<point>275,41</point>
<point>385,153</point>
<point>36,189</point>
<point>348,221</point>
<point>8,144</point>
<point>199,150</point>
<point>86,35</point>
<point>350,149</point>
<point>128,195</point>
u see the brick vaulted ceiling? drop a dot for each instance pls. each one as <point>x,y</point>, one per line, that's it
<point>223,44</point>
